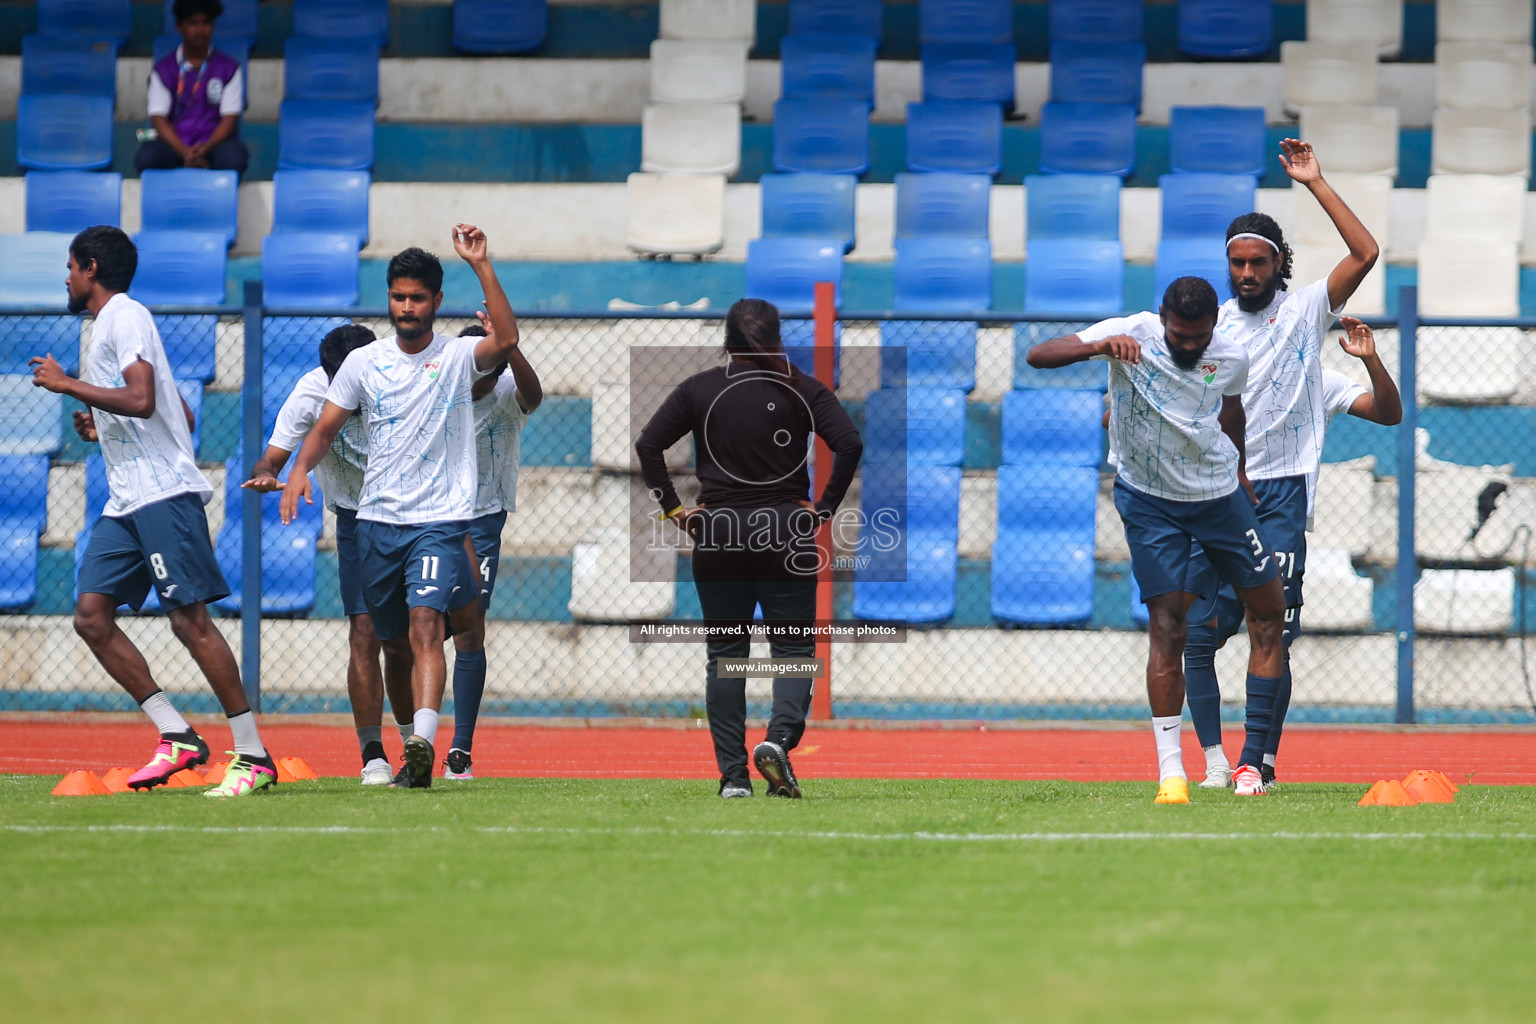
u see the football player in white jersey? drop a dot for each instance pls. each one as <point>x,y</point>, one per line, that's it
<point>1177,421</point>
<point>153,531</point>
<point>502,407</point>
<point>1282,332</point>
<point>340,474</point>
<point>413,392</point>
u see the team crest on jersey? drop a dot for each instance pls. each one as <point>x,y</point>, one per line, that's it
<point>432,369</point>
<point>1208,370</point>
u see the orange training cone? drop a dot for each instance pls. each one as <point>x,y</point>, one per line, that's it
<point>1429,787</point>
<point>80,783</point>
<point>1387,793</point>
<point>215,773</point>
<point>116,780</point>
<point>283,774</point>
<point>298,768</point>
<point>186,777</point>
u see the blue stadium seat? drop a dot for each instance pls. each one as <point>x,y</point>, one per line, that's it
<point>322,133</point>
<point>76,64</point>
<point>1097,72</point>
<point>914,427</point>
<point>1191,257</point>
<point>190,344</point>
<point>24,499</point>
<point>1089,375</point>
<point>784,271</point>
<point>31,419</point>
<point>1077,276</point>
<point>18,564</point>
<point>922,505</point>
<point>330,69</point>
<point>840,17</point>
<point>313,199</point>
<point>943,203</point>
<point>1054,426</point>
<point>33,266</point>
<point>965,21</point>
<point>499,26</point>
<point>829,136</point>
<point>1220,140</point>
<point>1042,561</point>
<point>1087,138</point>
<point>109,18</point>
<point>63,133</point>
<point>1085,206</point>
<point>71,201</point>
<point>191,392</point>
<point>1095,21</point>
<point>179,268</point>
<point>809,205</point>
<point>969,72</point>
<point>828,67</point>
<point>290,349</point>
<point>1233,29</point>
<point>928,354</point>
<point>288,553</point>
<point>191,199</point>
<point>955,137</point>
<point>309,269</point>
<point>22,337</point>
<point>1139,613</point>
<point>1202,205</point>
<point>342,19</point>
<point>238,19</point>
<point>943,274</point>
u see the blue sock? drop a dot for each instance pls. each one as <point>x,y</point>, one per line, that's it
<point>1201,689</point>
<point>468,688</point>
<point>1261,707</point>
<point>1282,705</point>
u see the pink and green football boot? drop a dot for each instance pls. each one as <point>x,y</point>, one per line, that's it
<point>175,753</point>
<point>246,775</point>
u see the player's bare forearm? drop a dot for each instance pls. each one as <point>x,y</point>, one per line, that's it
<point>1387,400</point>
<point>530,393</point>
<point>497,347</point>
<point>264,473</point>
<point>327,425</point>
<point>1059,352</point>
<point>1363,250</point>
<point>135,399</point>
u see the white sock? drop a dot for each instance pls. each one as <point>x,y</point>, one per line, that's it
<point>425,725</point>
<point>1170,758</point>
<point>406,728</point>
<point>1269,759</point>
<point>164,714</point>
<point>1215,757</point>
<point>247,739</point>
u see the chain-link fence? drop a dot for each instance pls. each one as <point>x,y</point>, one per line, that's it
<point>1014,572</point>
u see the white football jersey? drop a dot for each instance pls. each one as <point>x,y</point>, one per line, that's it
<point>340,471</point>
<point>149,459</point>
<point>419,420</point>
<point>1287,418</point>
<point>498,445</point>
<point>1164,421</point>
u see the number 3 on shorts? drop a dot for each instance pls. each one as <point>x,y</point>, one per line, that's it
<point>157,565</point>
<point>1253,538</point>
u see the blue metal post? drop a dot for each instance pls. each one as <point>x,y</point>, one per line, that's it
<point>250,504</point>
<point>1407,450</point>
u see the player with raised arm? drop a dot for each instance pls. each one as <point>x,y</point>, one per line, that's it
<point>341,480</point>
<point>502,407</point>
<point>1177,424</point>
<point>413,391</point>
<point>153,531</point>
<point>1282,332</point>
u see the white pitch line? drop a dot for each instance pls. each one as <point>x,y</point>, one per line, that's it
<point>919,837</point>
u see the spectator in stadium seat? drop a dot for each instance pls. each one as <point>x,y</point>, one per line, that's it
<point>195,98</point>
<point>1177,429</point>
<point>754,526</point>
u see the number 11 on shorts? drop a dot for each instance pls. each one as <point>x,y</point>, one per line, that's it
<point>429,567</point>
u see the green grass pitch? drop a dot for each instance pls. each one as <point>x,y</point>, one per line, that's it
<point>573,901</point>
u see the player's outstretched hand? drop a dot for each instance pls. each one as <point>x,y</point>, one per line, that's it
<point>1359,342</point>
<point>48,374</point>
<point>85,425</point>
<point>297,487</point>
<point>266,483</point>
<point>469,243</point>
<point>1299,160</point>
<point>1122,347</point>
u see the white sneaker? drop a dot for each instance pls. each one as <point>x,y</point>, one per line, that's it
<point>377,773</point>
<point>1247,781</point>
<point>1217,776</point>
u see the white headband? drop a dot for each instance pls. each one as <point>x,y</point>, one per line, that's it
<point>1250,234</point>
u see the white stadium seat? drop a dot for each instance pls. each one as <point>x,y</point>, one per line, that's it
<point>1468,278</point>
<point>1479,21</point>
<point>676,214</point>
<point>700,138</point>
<point>1374,23</point>
<point>698,71</point>
<point>1464,600</point>
<point>1488,207</point>
<point>1368,195</point>
<point>709,19</point>
<point>1344,515</point>
<point>1330,72</point>
<point>1338,599</point>
<point>1482,76</point>
<point>1469,364</point>
<point>1481,142</point>
<point>1350,137</point>
<point>1311,262</point>
<point>602,585</point>
<point>1445,507</point>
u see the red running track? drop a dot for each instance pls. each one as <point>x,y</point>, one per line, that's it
<point>619,749</point>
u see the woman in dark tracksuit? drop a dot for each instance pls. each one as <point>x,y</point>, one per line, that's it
<point>754,528</point>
